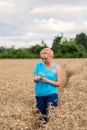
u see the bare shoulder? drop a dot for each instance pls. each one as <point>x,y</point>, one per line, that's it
<point>58,68</point>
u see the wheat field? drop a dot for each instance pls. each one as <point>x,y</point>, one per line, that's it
<point>17,99</point>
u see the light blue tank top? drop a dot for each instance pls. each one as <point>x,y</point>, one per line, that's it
<point>42,88</point>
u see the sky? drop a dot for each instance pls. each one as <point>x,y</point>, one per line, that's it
<point>24,23</point>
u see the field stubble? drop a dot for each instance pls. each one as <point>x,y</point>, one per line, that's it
<point>17,100</point>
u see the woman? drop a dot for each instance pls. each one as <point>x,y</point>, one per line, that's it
<point>47,77</point>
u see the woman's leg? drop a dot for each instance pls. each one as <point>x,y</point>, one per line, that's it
<point>52,100</point>
<point>41,105</point>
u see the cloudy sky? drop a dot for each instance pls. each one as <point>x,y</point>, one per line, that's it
<point>24,23</point>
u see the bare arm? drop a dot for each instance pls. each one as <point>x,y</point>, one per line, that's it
<point>59,78</point>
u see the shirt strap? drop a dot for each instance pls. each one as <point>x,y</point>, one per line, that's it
<point>54,67</point>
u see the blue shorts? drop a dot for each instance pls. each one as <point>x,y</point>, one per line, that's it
<point>42,102</point>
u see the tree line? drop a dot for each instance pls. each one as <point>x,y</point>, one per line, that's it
<point>63,48</point>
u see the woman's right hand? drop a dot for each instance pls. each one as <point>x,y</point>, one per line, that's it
<point>36,78</point>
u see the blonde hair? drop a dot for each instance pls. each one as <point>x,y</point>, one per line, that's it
<point>47,51</point>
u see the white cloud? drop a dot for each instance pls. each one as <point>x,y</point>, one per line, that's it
<point>9,42</point>
<point>30,34</point>
<point>57,8</point>
<point>4,4</point>
<point>26,22</point>
<point>55,25</point>
<point>6,7</point>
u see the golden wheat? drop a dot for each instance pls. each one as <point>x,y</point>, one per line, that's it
<point>17,100</point>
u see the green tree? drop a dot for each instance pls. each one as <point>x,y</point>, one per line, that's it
<point>11,52</point>
<point>2,49</point>
<point>21,53</point>
<point>36,50</point>
<point>56,43</point>
<point>70,49</point>
<point>81,39</point>
<point>4,54</point>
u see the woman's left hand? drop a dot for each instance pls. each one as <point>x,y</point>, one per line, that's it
<point>44,80</point>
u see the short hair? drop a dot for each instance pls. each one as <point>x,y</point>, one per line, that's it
<point>47,51</point>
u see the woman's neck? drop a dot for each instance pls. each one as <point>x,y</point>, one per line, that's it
<point>49,65</point>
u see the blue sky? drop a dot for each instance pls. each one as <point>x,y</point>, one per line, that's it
<point>24,23</point>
